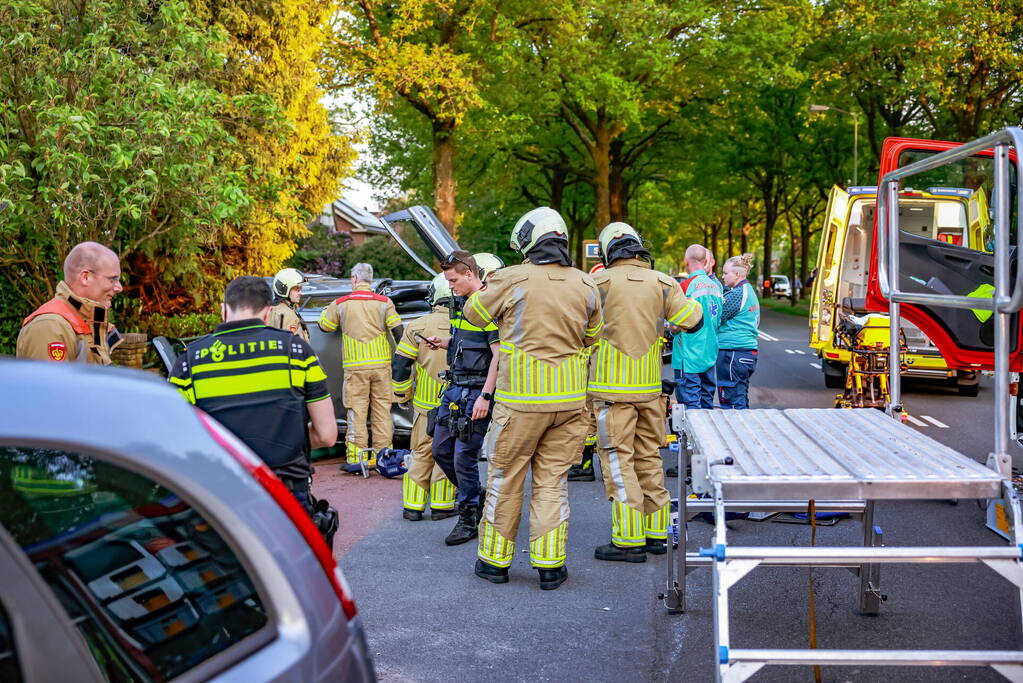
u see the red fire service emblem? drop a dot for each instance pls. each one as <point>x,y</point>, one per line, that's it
<point>57,351</point>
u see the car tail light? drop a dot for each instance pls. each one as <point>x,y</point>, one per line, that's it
<point>280,493</point>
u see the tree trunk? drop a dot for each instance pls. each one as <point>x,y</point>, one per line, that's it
<point>730,244</point>
<point>804,249</point>
<point>601,154</point>
<point>444,174</point>
<point>617,192</point>
<point>793,292</point>
<point>770,218</point>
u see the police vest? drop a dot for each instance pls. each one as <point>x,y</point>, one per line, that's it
<point>469,352</point>
<point>246,382</point>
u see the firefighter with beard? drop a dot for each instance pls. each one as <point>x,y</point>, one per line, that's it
<point>625,388</point>
<point>548,313</point>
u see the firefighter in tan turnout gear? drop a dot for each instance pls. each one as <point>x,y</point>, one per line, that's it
<point>287,287</point>
<point>625,388</point>
<point>364,319</point>
<point>547,312</point>
<point>417,367</point>
<point>74,325</point>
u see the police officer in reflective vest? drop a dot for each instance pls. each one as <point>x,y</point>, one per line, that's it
<point>75,324</point>
<point>418,366</point>
<point>287,288</point>
<point>548,312</point>
<point>265,385</point>
<point>625,387</point>
<point>465,408</point>
<point>364,318</point>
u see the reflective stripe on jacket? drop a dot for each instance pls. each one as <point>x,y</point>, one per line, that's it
<point>428,362</point>
<point>547,314</point>
<point>364,319</point>
<point>636,302</point>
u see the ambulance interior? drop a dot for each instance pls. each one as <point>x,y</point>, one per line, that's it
<point>938,219</point>
<point>947,250</point>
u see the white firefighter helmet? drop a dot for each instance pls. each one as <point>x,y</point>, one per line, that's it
<point>439,289</point>
<point>539,224</point>
<point>487,263</point>
<point>285,279</point>
<point>613,232</point>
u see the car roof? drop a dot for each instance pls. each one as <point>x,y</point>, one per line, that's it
<point>81,404</point>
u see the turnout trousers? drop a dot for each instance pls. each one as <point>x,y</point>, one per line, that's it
<point>424,477</point>
<point>367,396</point>
<point>629,438</point>
<point>545,445</point>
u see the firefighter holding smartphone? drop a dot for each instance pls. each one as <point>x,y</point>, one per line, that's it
<point>416,371</point>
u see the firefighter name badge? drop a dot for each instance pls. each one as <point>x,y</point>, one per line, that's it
<point>57,350</point>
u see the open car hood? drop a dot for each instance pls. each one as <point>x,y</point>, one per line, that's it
<point>433,232</point>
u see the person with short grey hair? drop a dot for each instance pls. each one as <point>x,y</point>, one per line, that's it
<point>362,272</point>
<point>363,319</point>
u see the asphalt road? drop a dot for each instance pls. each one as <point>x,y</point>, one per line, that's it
<point>430,619</point>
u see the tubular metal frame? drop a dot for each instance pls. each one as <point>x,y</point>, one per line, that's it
<point>1003,304</point>
<point>729,565</point>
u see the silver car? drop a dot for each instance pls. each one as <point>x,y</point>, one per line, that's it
<point>141,541</point>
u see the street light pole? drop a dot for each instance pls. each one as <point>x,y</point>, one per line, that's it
<point>856,134</point>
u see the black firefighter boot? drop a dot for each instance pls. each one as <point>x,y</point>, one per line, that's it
<point>584,470</point>
<point>465,528</point>
<point>552,578</point>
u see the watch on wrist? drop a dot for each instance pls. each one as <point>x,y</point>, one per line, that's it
<point>489,397</point>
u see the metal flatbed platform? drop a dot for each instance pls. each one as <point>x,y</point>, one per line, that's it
<point>827,454</point>
<point>846,459</point>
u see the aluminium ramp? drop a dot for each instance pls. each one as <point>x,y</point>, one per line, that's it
<point>824,453</point>
<point>836,454</point>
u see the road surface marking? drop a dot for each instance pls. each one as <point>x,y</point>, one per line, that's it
<point>765,336</point>
<point>936,423</point>
<point>816,365</point>
<point>918,423</point>
<point>801,353</point>
<point>789,351</point>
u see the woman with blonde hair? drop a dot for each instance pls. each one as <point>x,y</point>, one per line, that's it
<point>737,335</point>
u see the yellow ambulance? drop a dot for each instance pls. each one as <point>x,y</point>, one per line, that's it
<point>946,214</point>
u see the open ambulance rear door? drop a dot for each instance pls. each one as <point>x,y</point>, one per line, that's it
<point>965,337</point>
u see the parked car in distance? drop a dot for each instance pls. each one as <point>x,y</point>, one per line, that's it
<point>780,286</point>
<point>141,541</point>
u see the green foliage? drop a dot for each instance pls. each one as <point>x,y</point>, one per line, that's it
<point>321,252</point>
<point>180,326</point>
<point>194,145</point>
<point>127,150</point>
<point>387,258</point>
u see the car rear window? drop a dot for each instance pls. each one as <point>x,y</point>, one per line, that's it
<point>149,583</point>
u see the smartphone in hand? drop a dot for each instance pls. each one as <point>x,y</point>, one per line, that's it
<point>421,338</point>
